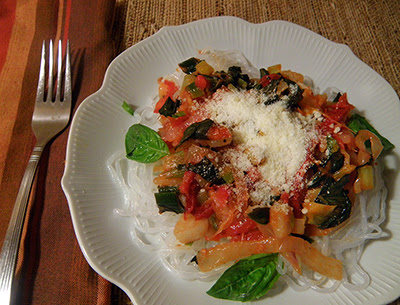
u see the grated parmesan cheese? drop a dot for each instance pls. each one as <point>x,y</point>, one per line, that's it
<point>271,137</point>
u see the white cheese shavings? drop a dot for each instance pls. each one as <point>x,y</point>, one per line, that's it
<point>271,137</point>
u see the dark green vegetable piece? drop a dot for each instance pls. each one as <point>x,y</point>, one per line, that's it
<point>143,144</point>
<point>127,108</point>
<point>306,238</point>
<point>333,193</point>
<point>206,169</point>
<point>168,201</point>
<point>337,216</point>
<point>194,260</point>
<point>358,122</point>
<point>270,92</point>
<point>249,279</point>
<point>336,161</point>
<point>263,72</point>
<point>337,97</point>
<point>235,72</point>
<point>170,107</point>
<point>221,78</point>
<point>332,145</point>
<point>317,179</point>
<point>239,80</point>
<point>197,130</point>
<point>294,94</point>
<point>189,65</point>
<point>233,77</point>
<point>260,215</point>
<point>241,83</point>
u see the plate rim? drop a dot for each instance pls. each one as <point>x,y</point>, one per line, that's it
<point>108,73</point>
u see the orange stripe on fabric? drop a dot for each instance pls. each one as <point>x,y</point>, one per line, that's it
<point>7,18</point>
<point>11,81</point>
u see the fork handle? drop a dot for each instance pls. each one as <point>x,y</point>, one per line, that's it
<point>9,251</point>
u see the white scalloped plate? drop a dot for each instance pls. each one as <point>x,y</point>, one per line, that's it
<point>99,126</point>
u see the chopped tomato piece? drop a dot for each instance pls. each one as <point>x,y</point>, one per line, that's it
<point>239,228</point>
<point>201,82</point>
<point>167,88</point>
<point>218,132</point>
<point>204,211</point>
<point>340,110</point>
<point>220,196</point>
<point>160,103</point>
<point>266,79</point>
<point>188,188</point>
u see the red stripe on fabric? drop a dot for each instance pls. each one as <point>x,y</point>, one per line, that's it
<point>66,25</point>
<point>7,19</point>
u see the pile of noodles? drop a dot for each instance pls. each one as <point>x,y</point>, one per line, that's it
<point>154,231</point>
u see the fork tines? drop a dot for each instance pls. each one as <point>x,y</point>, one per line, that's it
<point>57,95</point>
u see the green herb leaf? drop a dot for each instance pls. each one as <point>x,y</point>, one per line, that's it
<point>143,144</point>
<point>248,279</point>
<point>197,130</point>
<point>127,108</point>
<point>358,122</point>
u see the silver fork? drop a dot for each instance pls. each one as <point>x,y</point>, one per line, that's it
<point>50,117</point>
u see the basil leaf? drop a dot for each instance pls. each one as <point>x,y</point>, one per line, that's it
<point>170,107</point>
<point>248,279</point>
<point>144,145</point>
<point>127,108</point>
<point>197,131</point>
<point>358,122</point>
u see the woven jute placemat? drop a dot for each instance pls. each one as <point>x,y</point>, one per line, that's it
<point>371,28</point>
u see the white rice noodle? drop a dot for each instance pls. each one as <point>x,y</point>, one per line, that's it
<point>154,231</point>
